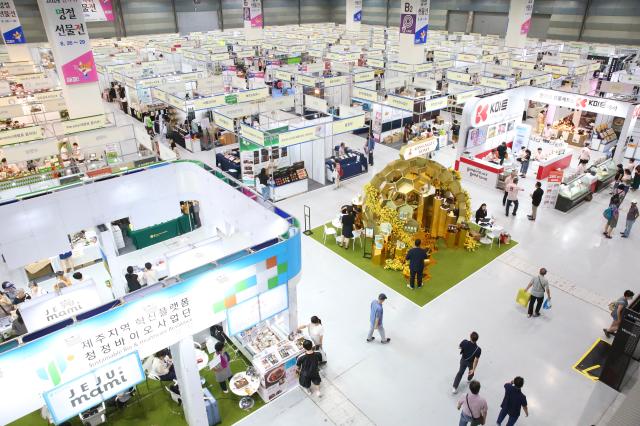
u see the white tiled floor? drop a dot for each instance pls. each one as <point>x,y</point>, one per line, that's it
<point>408,381</point>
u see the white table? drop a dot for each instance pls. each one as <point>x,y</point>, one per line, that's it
<point>253,383</point>
<point>489,228</point>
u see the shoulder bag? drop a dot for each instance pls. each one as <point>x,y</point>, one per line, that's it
<point>476,420</point>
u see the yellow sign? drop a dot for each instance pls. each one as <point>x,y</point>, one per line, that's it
<point>365,94</point>
<point>188,55</point>
<point>556,69</point>
<point>305,80</point>
<point>465,96</point>
<point>27,77</point>
<point>335,81</point>
<point>158,94</point>
<point>47,96</point>
<point>458,76</point>
<point>380,46</point>
<point>502,55</point>
<point>224,122</point>
<point>466,57</point>
<point>441,55</point>
<point>377,63</point>
<point>444,64</point>
<point>83,124</point>
<point>570,56</point>
<point>254,135</point>
<point>396,66</point>
<point>208,102</point>
<point>423,67</point>
<point>362,76</point>
<point>315,53</point>
<point>582,70</point>
<point>348,124</point>
<point>400,102</point>
<point>297,136</point>
<point>335,56</point>
<point>488,58</point>
<point>282,75</point>
<point>435,104</point>
<point>201,57</point>
<point>175,102</point>
<point>494,82</point>
<point>9,100</point>
<point>541,79</point>
<point>522,65</point>
<point>26,134</point>
<point>146,83</point>
<point>253,95</point>
<point>218,57</point>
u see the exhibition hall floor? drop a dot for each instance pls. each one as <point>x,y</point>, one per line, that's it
<point>408,382</point>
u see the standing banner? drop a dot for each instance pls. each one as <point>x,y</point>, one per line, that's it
<point>553,188</point>
<point>68,35</point>
<point>408,16</point>
<point>10,24</point>
<point>97,10</point>
<point>422,22</point>
<point>526,19</point>
<point>357,10</point>
<point>252,10</point>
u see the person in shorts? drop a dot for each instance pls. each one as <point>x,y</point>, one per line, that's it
<point>308,368</point>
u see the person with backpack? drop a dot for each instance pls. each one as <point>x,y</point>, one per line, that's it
<point>473,408</point>
<point>616,309</point>
<point>514,400</point>
<point>538,285</point>
<point>611,214</point>
<point>469,357</point>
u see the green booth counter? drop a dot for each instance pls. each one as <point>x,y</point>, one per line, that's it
<point>154,234</point>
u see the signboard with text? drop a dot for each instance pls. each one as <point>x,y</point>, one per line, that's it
<point>97,10</point>
<point>10,23</point>
<point>357,10</point>
<point>422,22</point>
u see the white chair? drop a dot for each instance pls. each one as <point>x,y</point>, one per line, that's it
<point>330,231</point>
<point>493,235</point>
<point>357,235</point>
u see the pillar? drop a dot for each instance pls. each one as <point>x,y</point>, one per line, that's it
<point>519,22</point>
<point>12,33</point>
<point>353,15</point>
<point>69,39</point>
<point>253,19</point>
<point>188,375</point>
<point>627,131</point>
<point>414,25</point>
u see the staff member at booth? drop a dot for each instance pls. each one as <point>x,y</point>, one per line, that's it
<point>416,257</point>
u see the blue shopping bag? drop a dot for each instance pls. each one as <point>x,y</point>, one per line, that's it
<point>547,304</point>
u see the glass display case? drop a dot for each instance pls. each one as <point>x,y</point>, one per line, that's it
<point>573,192</point>
<point>605,171</point>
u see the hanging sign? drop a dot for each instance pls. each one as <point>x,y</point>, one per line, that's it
<point>224,122</point>
<point>69,38</point>
<point>458,76</point>
<point>97,10</point>
<point>296,136</point>
<point>526,19</point>
<point>26,134</point>
<point>357,10</point>
<point>315,103</point>
<point>365,94</point>
<point>422,22</point>
<point>91,389</point>
<point>580,102</point>
<point>335,81</point>
<point>362,76</point>
<point>400,102</point>
<point>408,14</point>
<point>348,124</point>
<point>419,148</point>
<point>436,103</point>
<point>10,23</point>
<point>305,80</point>
<point>252,134</point>
<point>376,63</point>
<point>498,83</point>
<point>83,124</point>
<point>252,10</point>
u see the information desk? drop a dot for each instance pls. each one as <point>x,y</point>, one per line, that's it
<point>353,164</point>
<point>554,162</point>
<point>479,171</point>
<point>163,231</point>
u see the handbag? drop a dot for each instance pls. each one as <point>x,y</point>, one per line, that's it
<point>476,420</point>
<point>522,298</point>
<point>612,306</point>
<point>547,304</point>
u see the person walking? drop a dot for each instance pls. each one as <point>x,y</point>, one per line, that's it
<point>611,214</point>
<point>632,215</point>
<point>524,163</point>
<point>502,152</point>
<point>222,369</point>
<point>337,174</point>
<point>469,357</point>
<point>512,197</point>
<point>416,257</point>
<point>538,285</point>
<point>473,408</point>
<point>316,333</point>
<point>308,368</point>
<point>536,199</point>
<point>375,319</point>
<point>512,402</point>
<point>508,181</point>
<point>616,312</point>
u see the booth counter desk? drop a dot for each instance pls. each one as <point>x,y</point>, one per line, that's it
<point>353,164</point>
<point>162,231</point>
<point>229,162</point>
<point>289,181</point>
<point>480,171</point>
<point>554,162</point>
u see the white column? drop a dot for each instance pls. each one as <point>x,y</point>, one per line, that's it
<point>519,22</point>
<point>353,15</point>
<point>69,39</point>
<point>627,131</point>
<point>188,375</point>
<point>12,33</point>
<point>253,19</point>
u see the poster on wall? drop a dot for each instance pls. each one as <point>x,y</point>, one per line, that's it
<point>252,10</point>
<point>523,132</point>
<point>69,37</point>
<point>408,16</point>
<point>357,10</point>
<point>526,19</point>
<point>476,137</point>
<point>97,10</point>
<point>422,22</point>
<point>10,24</point>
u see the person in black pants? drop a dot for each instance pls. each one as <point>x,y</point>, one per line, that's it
<point>536,199</point>
<point>502,152</point>
<point>469,357</point>
<point>416,257</point>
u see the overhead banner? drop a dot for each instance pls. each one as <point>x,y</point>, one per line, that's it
<point>526,19</point>
<point>252,10</point>
<point>69,38</point>
<point>83,124</point>
<point>94,388</point>
<point>357,10</point>
<point>408,16</point>
<point>10,24</point>
<point>422,22</point>
<point>579,102</point>
<point>348,124</point>
<point>97,10</point>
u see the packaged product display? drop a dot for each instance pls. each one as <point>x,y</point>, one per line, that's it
<point>605,171</point>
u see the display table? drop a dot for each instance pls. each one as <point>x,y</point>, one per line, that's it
<point>575,192</point>
<point>289,190</point>
<point>554,162</point>
<point>354,163</point>
<point>244,385</point>
<point>479,171</point>
<point>163,231</point>
<point>229,163</point>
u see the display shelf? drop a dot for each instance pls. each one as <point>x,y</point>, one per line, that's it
<point>604,172</point>
<point>554,162</point>
<point>574,192</point>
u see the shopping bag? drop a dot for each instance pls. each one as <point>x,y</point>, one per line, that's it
<point>523,297</point>
<point>547,304</point>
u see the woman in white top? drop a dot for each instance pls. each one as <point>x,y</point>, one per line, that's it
<point>316,333</point>
<point>149,275</point>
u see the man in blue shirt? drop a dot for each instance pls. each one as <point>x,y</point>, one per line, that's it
<point>416,257</point>
<point>375,319</point>
<point>513,400</point>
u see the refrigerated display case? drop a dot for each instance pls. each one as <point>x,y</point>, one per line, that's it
<point>605,171</point>
<point>575,191</point>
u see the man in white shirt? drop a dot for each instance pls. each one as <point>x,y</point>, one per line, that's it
<point>149,276</point>
<point>585,154</point>
<point>512,196</point>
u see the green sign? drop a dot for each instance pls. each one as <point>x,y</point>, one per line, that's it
<point>231,99</point>
<point>246,145</point>
<point>271,137</point>
<point>294,60</point>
